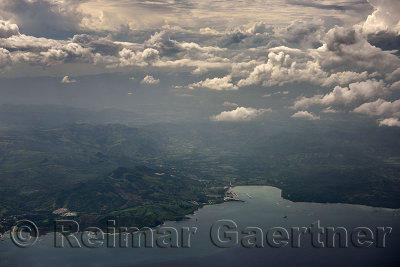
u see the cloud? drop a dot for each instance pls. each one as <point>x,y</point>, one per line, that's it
<point>347,46</point>
<point>184,95</point>
<point>150,80</point>
<point>279,69</point>
<point>328,110</point>
<point>230,104</point>
<point>317,4</point>
<point>66,79</point>
<point>390,122</point>
<point>287,65</point>
<point>8,29</point>
<point>380,107</point>
<point>209,31</point>
<point>344,96</point>
<point>44,17</point>
<point>5,58</point>
<point>304,34</point>
<point>259,27</point>
<point>385,18</point>
<point>281,93</point>
<point>84,48</point>
<point>344,77</point>
<point>239,114</point>
<point>385,40</point>
<point>254,48</point>
<point>305,115</point>
<point>232,38</point>
<point>161,42</point>
<point>219,84</point>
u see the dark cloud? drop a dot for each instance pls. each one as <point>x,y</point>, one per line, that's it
<point>44,18</point>
<point>341,36</point>
<point>8,29</point>
<point>105,47</point>
<point>348,48</point>
<point>162,42</point>
<point>82,39</point>
<point>385,41</point>
<point>307,34</point>
<point>232,38</point>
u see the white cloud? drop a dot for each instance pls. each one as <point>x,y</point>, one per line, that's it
<point>328,110</point>
<point>219,84</point>
<point>344,77</point>
<point>230,104</point>
<point>395,86</point>
<point>259,27</point>
<point>5,58</point>
<point>385,18</point>
<point>257,53</point>
<point>282,68</point>
<point>184,95</point>
<point>239,114</point>
<point>343,96</point>
<point>281,93</point>
<point>66,79</point>
<point>390,122</point>
<point>209,31</point>
<point>150,80</point>
<point>291,65</point>
<point>8,29</point>
<point>380,107</point>
<point>305,115</point>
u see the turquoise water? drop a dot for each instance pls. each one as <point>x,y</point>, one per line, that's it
<point>262,207</point>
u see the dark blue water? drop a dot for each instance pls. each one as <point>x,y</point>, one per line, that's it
<point>263,207</point>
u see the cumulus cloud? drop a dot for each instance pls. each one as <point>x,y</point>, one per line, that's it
<point>347,46</point>
<point>354,61</point>
<point>344,96</point>
<point>303,34</point>
<point>380,107</point>
<point>150,80</point>
<point>305,115</point>
<point>328,110</point>
<point>385,18</point>
<point>390,122</point>
<point>259,27</point>
<point>232,38</point>
<point>209,31</point>
<point>281,93</point>
<point>219,84</point>
<point>5,58</point>
<point>162,43</point>
<point>230,104</point>
<point>291,65</point>
<point>239,114</point>
<point>66,79</point>
<point>8,29</point>
<point>159,51</point>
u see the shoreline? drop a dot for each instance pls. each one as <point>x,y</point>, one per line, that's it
<point>47,231</point>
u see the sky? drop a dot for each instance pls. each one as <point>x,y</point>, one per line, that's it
<point>231,61</point>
